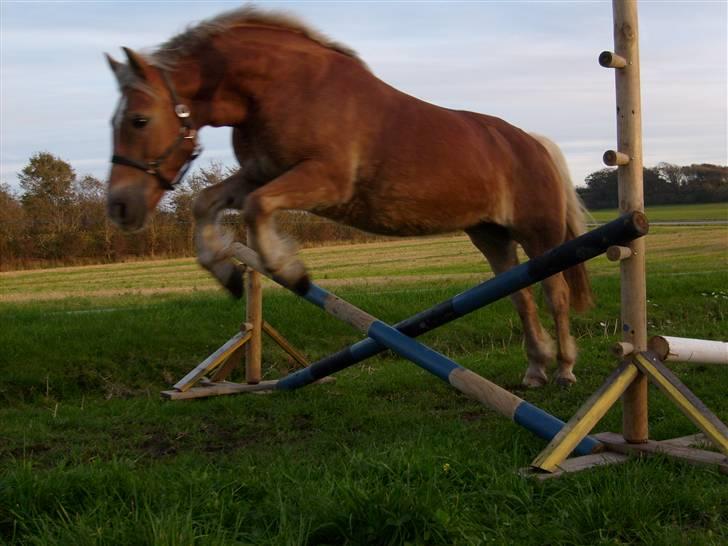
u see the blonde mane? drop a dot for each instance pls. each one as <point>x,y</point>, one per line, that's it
<point>193,37</point>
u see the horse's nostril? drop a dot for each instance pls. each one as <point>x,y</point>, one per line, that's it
<point>118,209</point>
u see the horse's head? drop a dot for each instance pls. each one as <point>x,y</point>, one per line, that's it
<point>154,141</point>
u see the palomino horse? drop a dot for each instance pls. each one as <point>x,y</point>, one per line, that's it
<point>315,130</point>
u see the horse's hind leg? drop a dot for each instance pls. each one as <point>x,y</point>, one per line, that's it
<point>500,251</point>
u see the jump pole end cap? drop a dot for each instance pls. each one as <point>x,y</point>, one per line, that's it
<point>660,346</point>
<point>639,221</point>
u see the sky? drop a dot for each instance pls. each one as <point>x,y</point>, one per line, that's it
<point>533,64</point>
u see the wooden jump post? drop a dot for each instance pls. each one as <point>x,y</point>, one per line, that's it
<point>220,364</point>
<point>629,380</point>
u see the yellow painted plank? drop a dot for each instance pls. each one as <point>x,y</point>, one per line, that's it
<point>688,403</point>
<point>585,418</point>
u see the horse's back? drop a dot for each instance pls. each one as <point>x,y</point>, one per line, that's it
<point>431,169</point>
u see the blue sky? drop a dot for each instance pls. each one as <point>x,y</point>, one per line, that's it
<point>531,63</point>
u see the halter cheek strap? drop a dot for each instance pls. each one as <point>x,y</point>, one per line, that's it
<point>186,132</point>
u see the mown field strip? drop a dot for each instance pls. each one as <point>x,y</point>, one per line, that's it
<point>670,249</point>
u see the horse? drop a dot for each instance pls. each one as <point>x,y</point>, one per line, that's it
<point>313,129</point>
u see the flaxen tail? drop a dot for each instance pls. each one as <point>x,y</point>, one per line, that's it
<point>581,295</point>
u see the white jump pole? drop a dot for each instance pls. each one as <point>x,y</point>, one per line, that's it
<point>693,351</point>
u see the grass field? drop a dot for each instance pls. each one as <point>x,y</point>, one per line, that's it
<point>386,455</point>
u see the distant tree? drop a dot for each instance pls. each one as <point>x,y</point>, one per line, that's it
<point>48,201</point>
<point>95,230</point>
<point>12,227</point>
<point>672,174</point>
<point>664,184</point>
<point>707,183</point>
<point>601,189</point>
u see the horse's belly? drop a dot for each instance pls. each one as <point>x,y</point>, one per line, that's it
<point>410,213</point>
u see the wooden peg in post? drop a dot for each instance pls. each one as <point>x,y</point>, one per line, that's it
<point>611,60</point>
<point>622,349</point>
<point>617,253</point>
<point>613,158</point>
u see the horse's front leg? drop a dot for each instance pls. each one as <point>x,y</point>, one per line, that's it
<point>308,186</point>
<point>210,239</point>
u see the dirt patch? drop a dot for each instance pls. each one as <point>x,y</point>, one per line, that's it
<point>208,438</point>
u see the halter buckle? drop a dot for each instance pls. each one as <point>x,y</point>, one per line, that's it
<point>182,111</point>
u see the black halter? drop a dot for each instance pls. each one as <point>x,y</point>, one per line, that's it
<point>186,132</point>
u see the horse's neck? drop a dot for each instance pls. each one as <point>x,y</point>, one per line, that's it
<point>243,74</point>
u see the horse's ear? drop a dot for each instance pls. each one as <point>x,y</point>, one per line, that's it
<point>113,63</point>
<point>138,65</point>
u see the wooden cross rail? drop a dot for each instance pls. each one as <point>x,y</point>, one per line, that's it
<point>400,338</point>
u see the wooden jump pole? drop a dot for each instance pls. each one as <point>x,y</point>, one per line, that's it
<point>628,158</point>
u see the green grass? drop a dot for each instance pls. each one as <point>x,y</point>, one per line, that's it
<point>675,213</point>
<point>386,455</point>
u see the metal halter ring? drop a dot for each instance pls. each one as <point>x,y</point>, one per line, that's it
<point>182,111</point>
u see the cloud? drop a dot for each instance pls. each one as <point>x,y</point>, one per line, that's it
<point>533,64</point>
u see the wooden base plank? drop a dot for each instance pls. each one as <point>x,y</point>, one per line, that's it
<point>577,464</point>
<point>207,389</point>
<point>615,442</point>
<point>218,389</point>
<point>698,440</point>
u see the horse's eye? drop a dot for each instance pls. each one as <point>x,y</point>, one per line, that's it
<point>139,122</point>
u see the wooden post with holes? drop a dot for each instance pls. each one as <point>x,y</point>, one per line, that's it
<point>254,317</point>
<point>638,365</point>
<point>631,198</point>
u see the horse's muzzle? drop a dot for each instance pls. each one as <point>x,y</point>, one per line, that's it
<point>126,207</point>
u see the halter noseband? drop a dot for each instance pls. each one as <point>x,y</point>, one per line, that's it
<point>186,132</point>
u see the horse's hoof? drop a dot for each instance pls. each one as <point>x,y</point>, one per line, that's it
<point>293,276</point>
<point>565,380</point>
<point>534,381</point>
<point>302,286</point>
<point>234,284</point>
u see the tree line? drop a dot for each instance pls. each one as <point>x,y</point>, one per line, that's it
<point>59,218</point>
<point>664,184</point>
